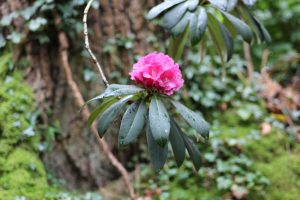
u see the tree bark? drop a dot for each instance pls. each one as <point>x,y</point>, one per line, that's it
<point>74,155</point>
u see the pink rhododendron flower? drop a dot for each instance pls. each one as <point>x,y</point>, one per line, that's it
<point>159,72</point>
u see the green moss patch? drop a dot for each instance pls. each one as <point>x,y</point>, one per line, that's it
<point>22,173</point>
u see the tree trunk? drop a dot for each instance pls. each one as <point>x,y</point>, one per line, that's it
<point>75,155</point>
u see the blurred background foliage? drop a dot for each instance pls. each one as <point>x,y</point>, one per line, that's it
<point>254,150</point>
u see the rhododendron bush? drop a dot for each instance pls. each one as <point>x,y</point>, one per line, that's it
<point>157,76</point>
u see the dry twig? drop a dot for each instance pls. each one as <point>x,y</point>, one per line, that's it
<point>64,45</point>
<point>87,43</point>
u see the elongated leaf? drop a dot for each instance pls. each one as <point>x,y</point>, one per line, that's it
<point>221,4</point>
<point>203,47</point>
<point>110,114</point>
<point>227,40</point>
<point>231,5</point>
<point>216,37</point>
<point>159,121</point>
<point>157,10</point>
<point>242,28</point>
<point>262,35</point>
<point>198,25</point>
<point>172,17</point>
<point>225,5</point>
<point>249,3</point>
<point>177,43</point>
<point>195,120</point>
<point>177,143</point>
<point>181,25</point>
<point>115,90</point>
<point>221,37</point>
<point>132,123</point>
<point>107,102</point>
<point>158,154</point>
<point>265,35</point>
<point>193,152</point>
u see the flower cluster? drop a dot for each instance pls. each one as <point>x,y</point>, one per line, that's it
<point>159,72</point>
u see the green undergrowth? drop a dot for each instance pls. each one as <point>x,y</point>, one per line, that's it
<point>238,161</point>
<point>275,155</point>
<point>279,160</point>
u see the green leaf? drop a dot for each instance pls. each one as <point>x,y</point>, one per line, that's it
<point>203,47</point>
<point>181,25</point>
<point>249,3</point>
<point>132,123</point>
<point>176,45</point>
<point>221,4</point>
<point>116,90</point>
<point>198,25</point>
<point>172,17</point>
<point>157,10</point>
<point>227,40</point>
<point>100,109</point>
<point>216,37</point>
<point>224,5</point>
<point>265,35</point>
<point>195,120</point>
<point>262,35</point>
<point>159,121</point>
<point>231,5</point>
<point>110,114</point>
<point>158,154</point>
<point>242,28</point>
<point>221,37</point>
<point>177,143</point>
<point>193,152</point>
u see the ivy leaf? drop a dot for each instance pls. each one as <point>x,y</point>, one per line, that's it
<point>241,27</point>
<point>195,120</point>
<point>35,24</point>
<point>159,121</point>
<point>110,114</point>
<point>177,143</point>
<point>157,10</point>
<point>132,123</point>
<point>193,152</point>
<point>100,109</point>
<point>158,154</point>
<point>15,37</point>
